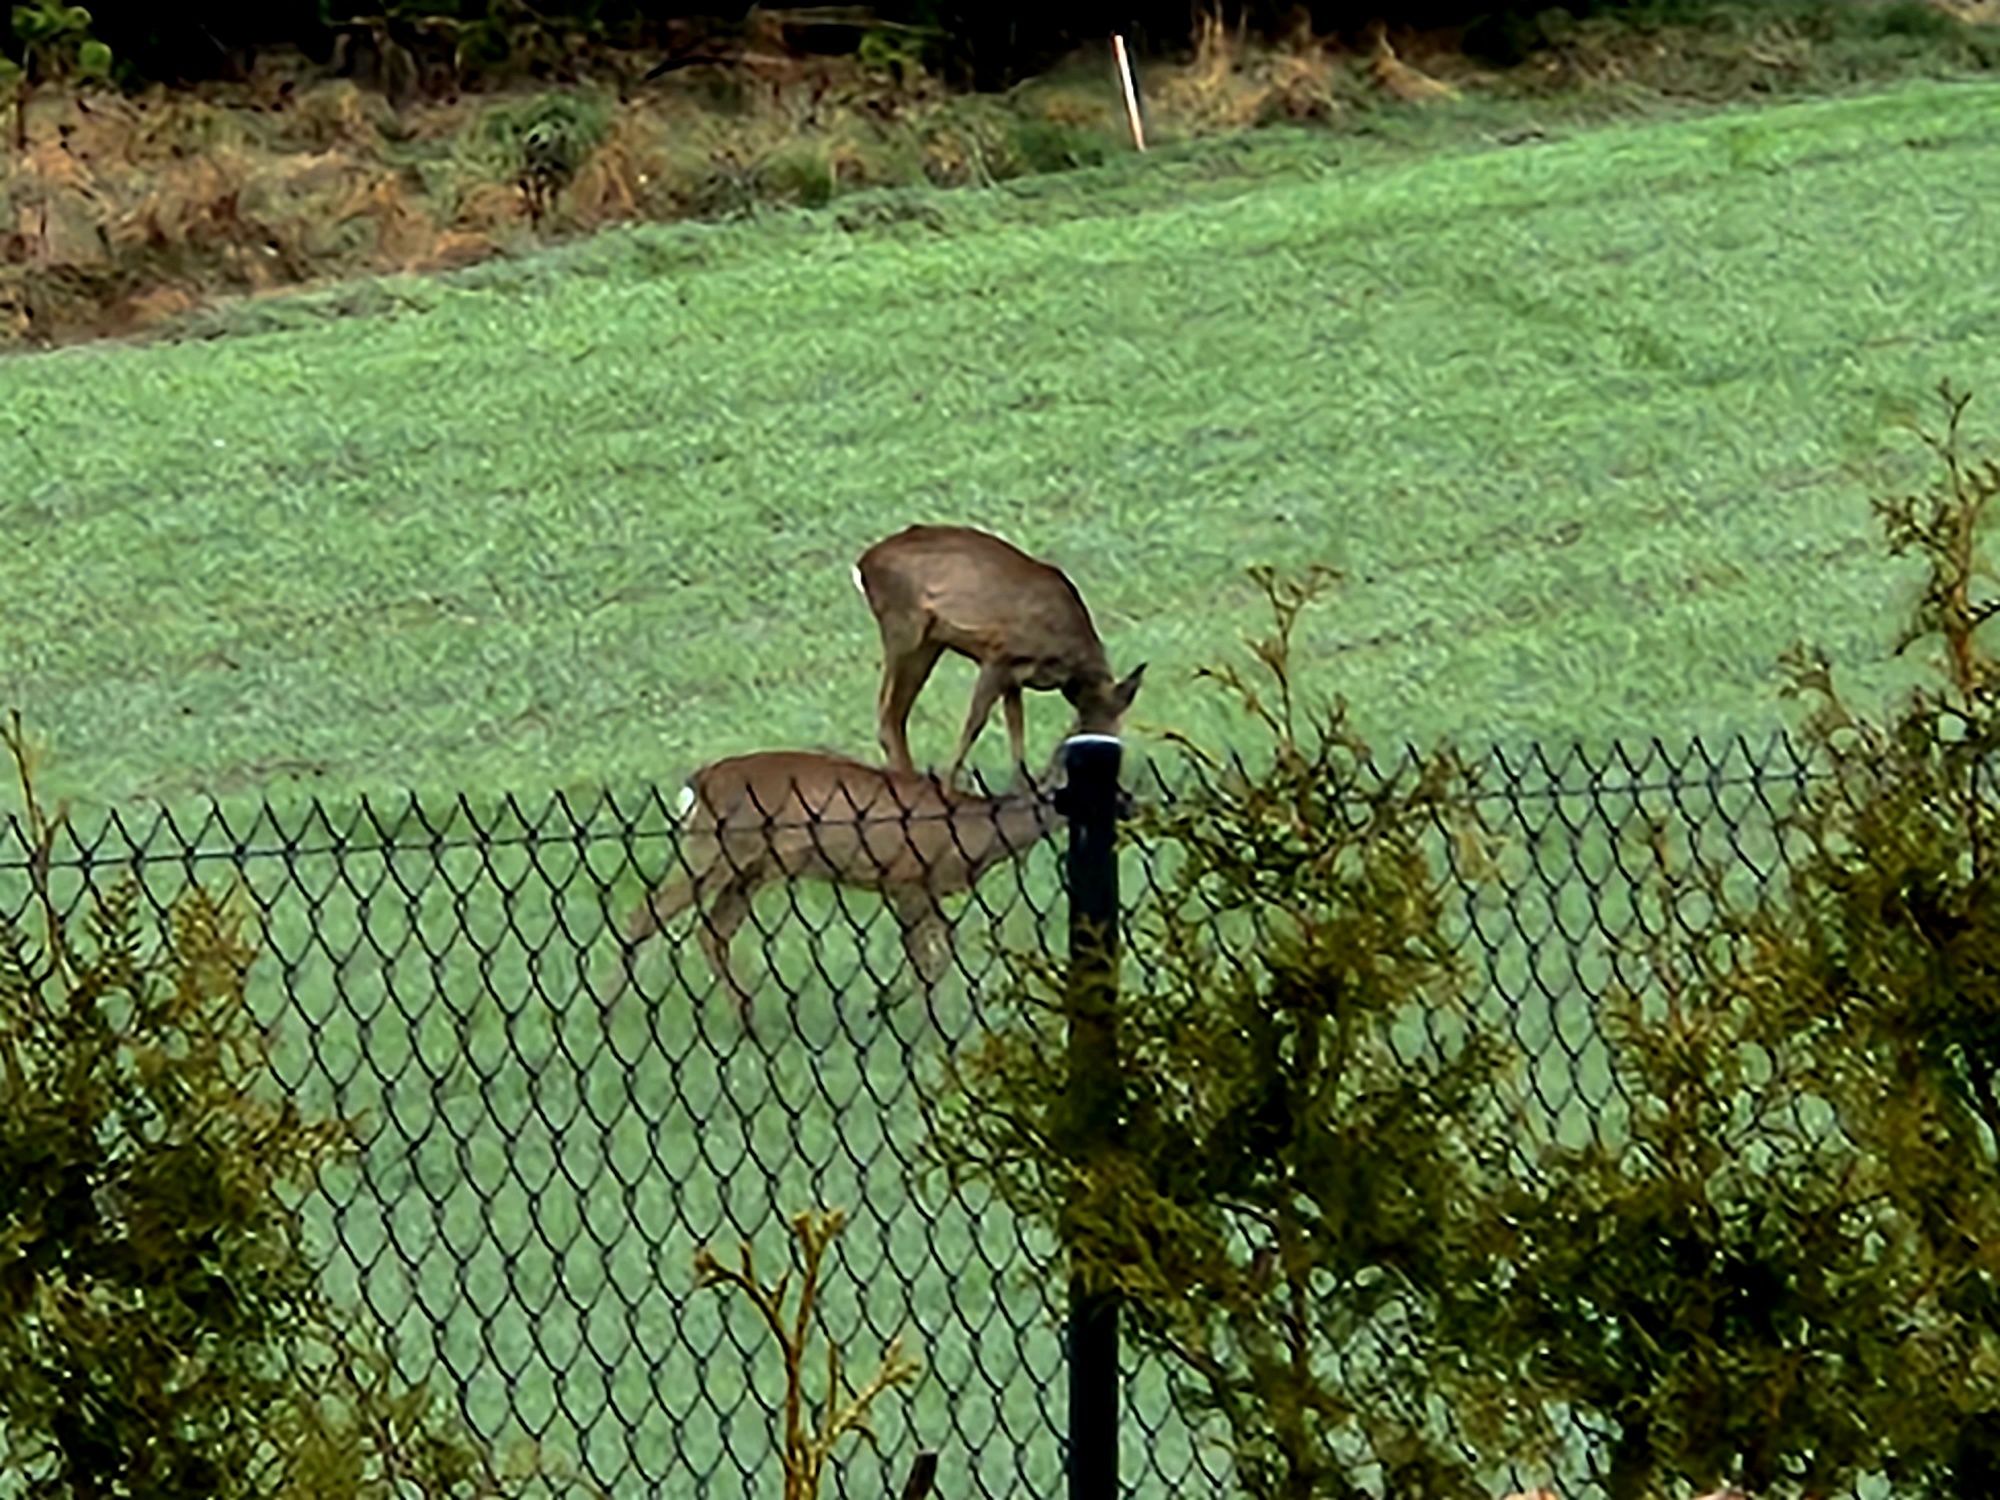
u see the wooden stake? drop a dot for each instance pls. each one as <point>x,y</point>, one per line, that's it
<point>1129,89</point>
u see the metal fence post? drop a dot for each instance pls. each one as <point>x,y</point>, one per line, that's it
<point>1091,802</point>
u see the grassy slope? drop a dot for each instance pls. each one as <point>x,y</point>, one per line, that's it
<point>1590,424</point>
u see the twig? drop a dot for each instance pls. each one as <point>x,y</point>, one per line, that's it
<point>41,838</point>
<point>806,1447</point>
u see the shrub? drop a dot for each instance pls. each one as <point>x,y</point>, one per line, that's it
<point>1284,1208</point>
<point>541,143</point>
<point>161,1327</point>
<point>1053,146</point>
<point>801,173</point>
<point>1803,1232</point>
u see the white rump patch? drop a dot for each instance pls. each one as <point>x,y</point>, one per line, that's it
<point>685,802</point>
<point>856,571</point>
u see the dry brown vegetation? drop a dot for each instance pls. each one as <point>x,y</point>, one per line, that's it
<point>124,212</point>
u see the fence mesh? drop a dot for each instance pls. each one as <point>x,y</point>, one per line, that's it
<point>543,1153</point>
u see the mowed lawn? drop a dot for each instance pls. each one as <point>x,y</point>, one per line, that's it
<point>1591,426</point>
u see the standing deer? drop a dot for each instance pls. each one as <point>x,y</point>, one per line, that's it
<point>752,820</point>
<point>934,589</point>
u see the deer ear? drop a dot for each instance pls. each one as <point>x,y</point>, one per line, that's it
<point>1129,688</point>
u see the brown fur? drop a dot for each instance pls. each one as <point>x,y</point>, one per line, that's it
<point>777,815</point>
<point>934,589</point>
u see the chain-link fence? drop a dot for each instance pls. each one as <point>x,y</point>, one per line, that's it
<point>545,1150</point>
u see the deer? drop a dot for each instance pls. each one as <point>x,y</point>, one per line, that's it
<point>751,820</point>
<point>934,589</point>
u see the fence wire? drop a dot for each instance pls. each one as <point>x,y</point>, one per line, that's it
<point>543,1150</point>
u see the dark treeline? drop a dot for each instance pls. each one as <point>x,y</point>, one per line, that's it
<point>972,43</point>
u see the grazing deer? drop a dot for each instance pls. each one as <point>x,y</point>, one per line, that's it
<point>752,820</point>
<point>934,589</point>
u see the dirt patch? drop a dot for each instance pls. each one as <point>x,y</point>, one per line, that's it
<point>126,213</point>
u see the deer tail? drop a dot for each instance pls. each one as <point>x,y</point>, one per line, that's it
<point>644,920</point>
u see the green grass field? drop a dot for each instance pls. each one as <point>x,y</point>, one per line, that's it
<point>1591,426</point>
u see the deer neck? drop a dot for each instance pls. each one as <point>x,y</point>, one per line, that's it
<point>1005,826</point>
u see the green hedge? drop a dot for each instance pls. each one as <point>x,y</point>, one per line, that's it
<point>981,44</point>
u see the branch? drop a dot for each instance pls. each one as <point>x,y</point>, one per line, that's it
<point>897,1368</point>
<point>768,1301</point>
<point>805,1452</point>
<point>41,838</point>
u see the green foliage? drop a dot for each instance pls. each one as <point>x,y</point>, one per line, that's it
<point>507,38</point>
<point>1304,1137</point>
<point>46,23</point>
<point>896,54</point>
<point>1804,1227</point>
<point>540,142</point>
<point>1879,985</point>
<point>1054,146</point>
<point>496,42</point>
<point>55,42</point>
<point>559,129</point>
<point>1730,49</point>
<point>1911,18</point>
<point>468,42</point>
<point>161,1328</point>
<point>800,173</point>
<point>1867,41</point>
<point>1788,1222</point>
<point>1722,1288</point>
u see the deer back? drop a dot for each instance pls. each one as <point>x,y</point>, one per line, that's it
<point>986,597</point>
<point>803,814</point>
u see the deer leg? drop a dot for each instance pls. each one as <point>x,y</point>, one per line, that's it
<point>648,917</point>
<point>925,939</point>
<point>904,673</point>
<point>992,682</point>
<point>1017,732</point>
<point>719,921</point>
<point>669,901</point>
